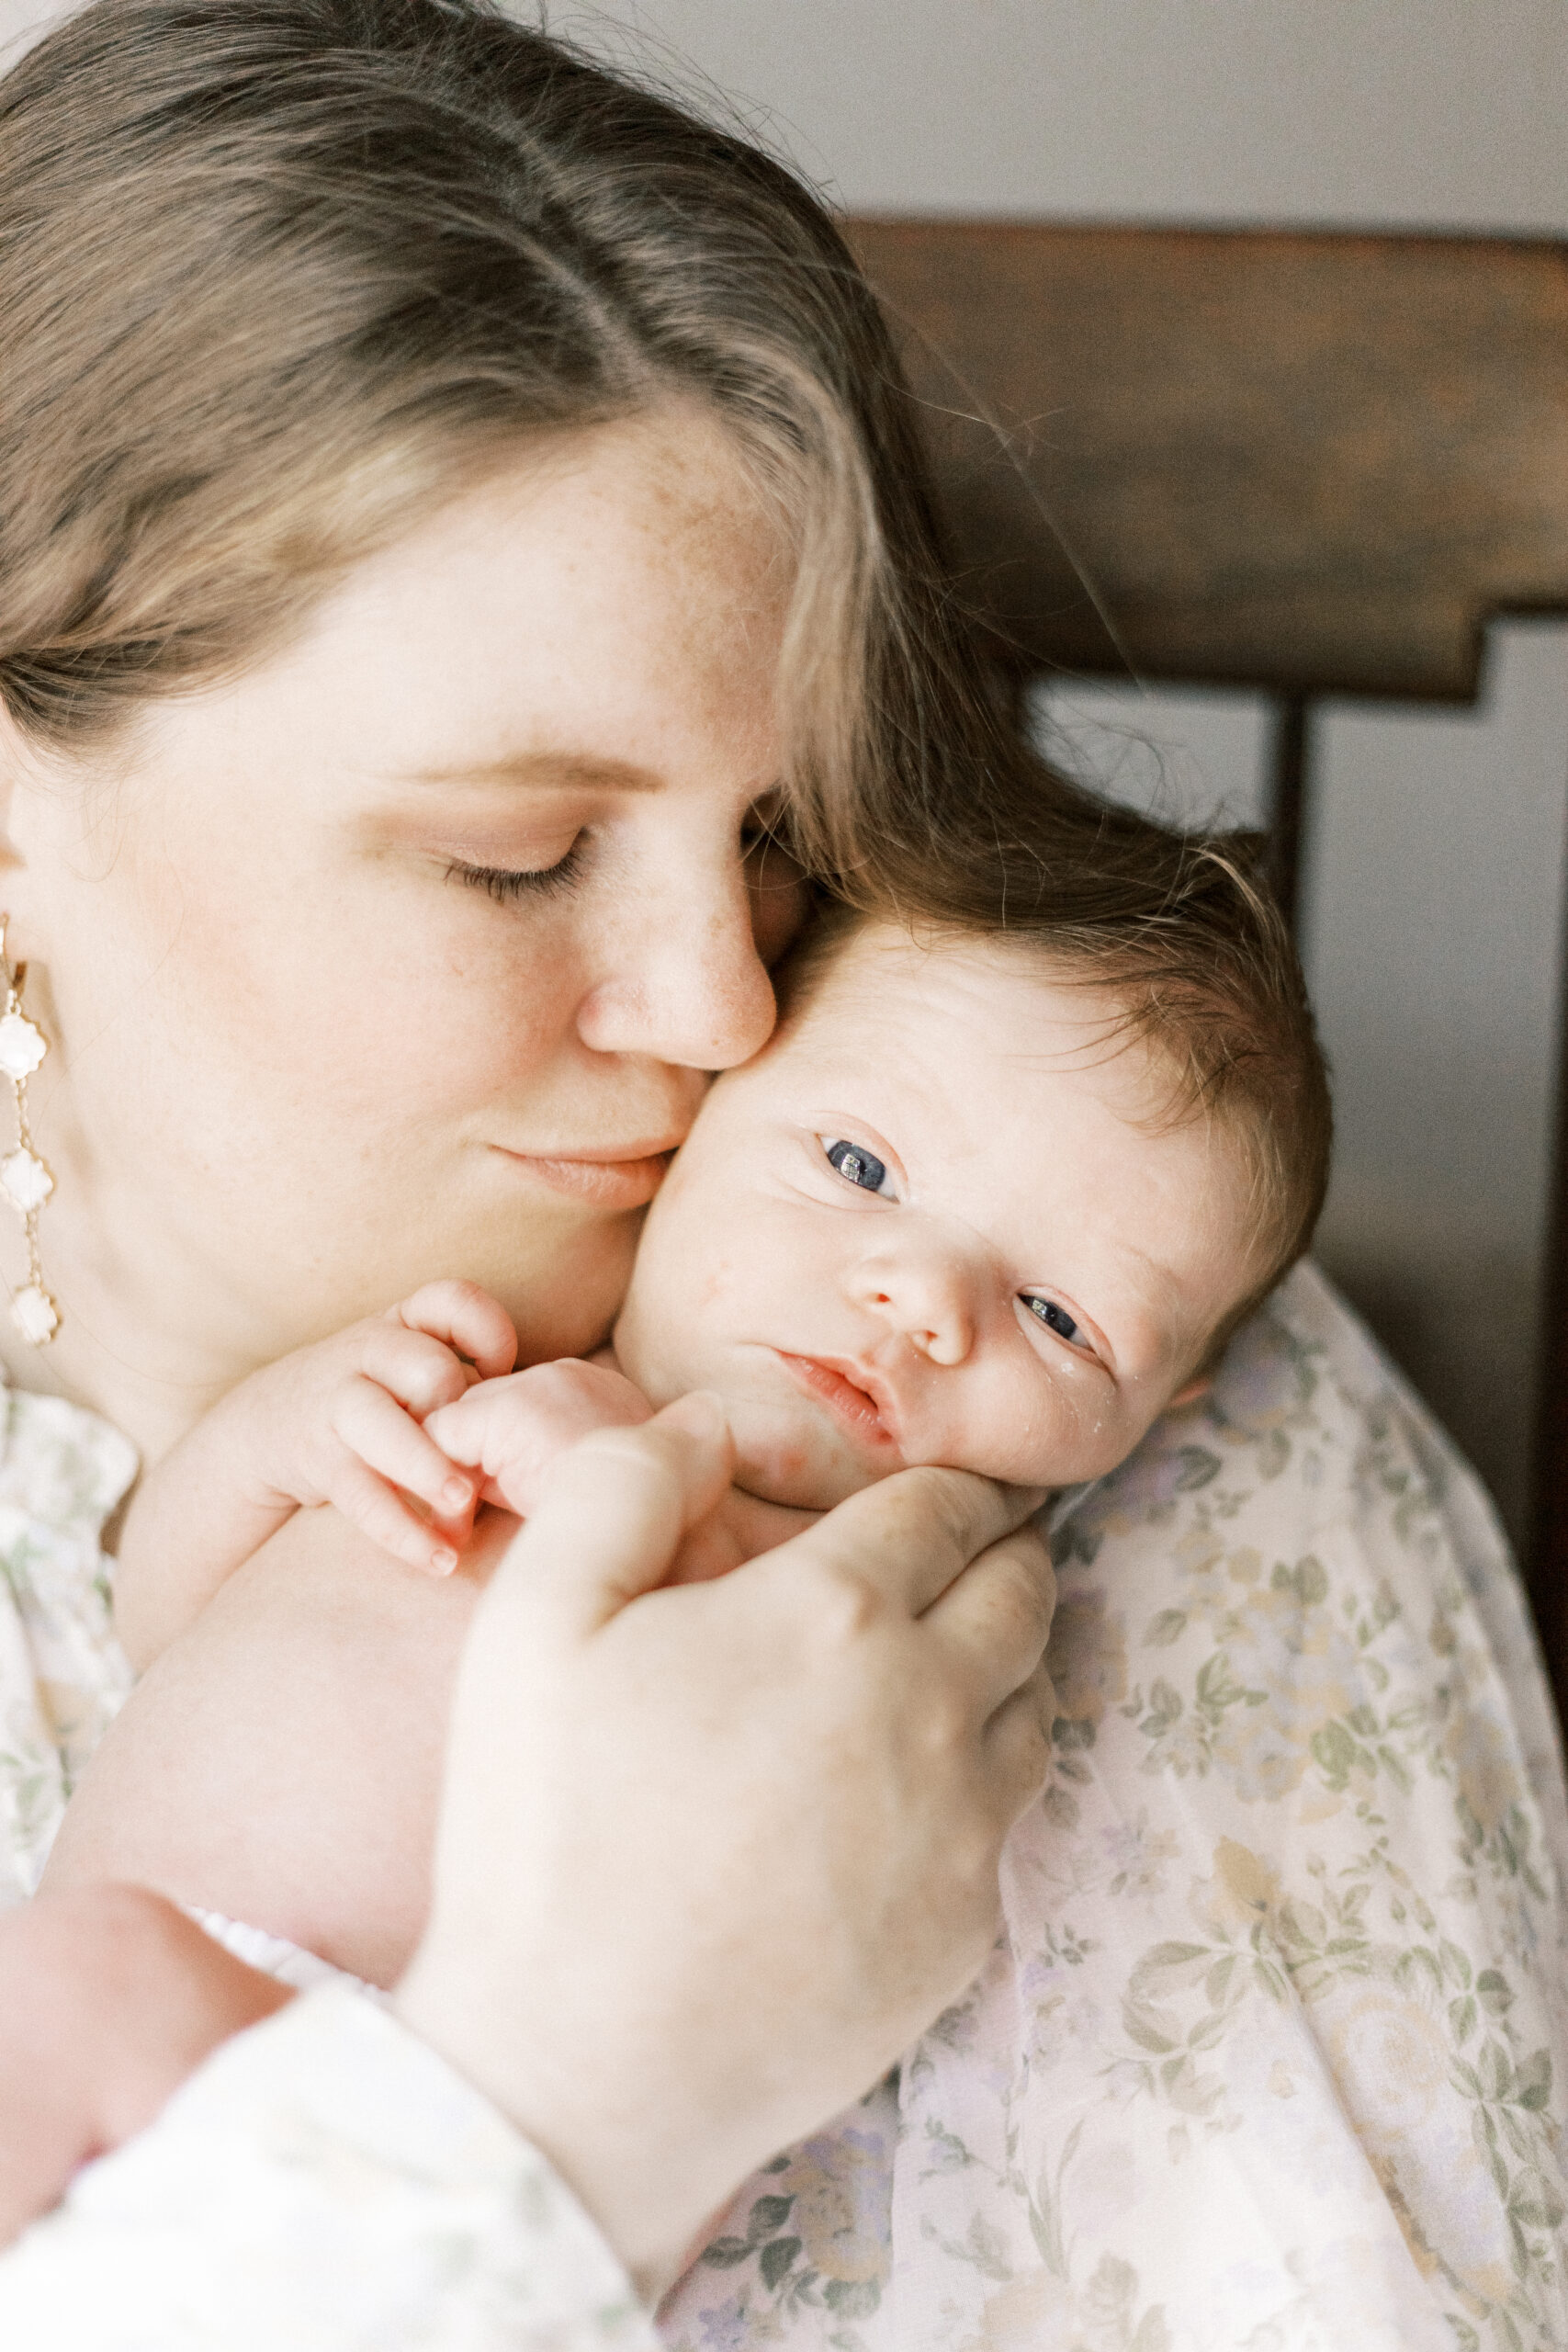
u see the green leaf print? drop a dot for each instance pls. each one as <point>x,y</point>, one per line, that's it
<point>767,2215</point>
<point>777,2260</point>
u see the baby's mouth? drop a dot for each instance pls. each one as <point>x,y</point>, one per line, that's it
<point>843,1386</point>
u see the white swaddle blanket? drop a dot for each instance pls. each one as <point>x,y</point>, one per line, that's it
<point>276,1956</point>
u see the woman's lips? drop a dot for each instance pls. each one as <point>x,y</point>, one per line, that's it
<point>606,1183</point>
<point>840,1386</point>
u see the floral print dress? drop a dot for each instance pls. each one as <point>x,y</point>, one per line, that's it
<point>1271,2053</point>
<point>1274,2048</point>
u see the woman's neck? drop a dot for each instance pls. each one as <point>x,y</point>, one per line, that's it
<point>148,1371</point>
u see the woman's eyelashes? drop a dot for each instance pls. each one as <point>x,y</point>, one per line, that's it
<point>1056,1317</point>
<point>507,884</point>
<point>857,1166</point>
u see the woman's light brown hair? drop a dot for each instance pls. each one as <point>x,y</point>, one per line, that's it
<point>277,276</point>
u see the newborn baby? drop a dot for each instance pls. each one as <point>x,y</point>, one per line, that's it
<point>988,1200</point>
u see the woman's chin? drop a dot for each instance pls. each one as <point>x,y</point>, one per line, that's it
<point>563,1287</point>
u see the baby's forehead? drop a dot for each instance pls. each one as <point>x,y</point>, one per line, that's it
<point>985,1040</point>
<point>983,1006</point>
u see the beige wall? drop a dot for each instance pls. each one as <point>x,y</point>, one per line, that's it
<point>1378,110</point>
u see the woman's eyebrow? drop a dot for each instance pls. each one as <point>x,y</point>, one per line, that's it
<point>551,770</point>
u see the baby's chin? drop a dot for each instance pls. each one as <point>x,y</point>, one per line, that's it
<point>773,1480</point>
<point>783,1457</point>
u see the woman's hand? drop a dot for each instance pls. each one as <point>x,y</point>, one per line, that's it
<point>109,1999</point>
<point>711,1856</point>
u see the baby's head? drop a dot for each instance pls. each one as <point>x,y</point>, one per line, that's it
<point>990,1197</point>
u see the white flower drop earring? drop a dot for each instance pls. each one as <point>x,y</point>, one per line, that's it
<point>23,1179</point>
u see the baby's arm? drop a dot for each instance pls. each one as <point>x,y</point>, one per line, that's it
<point>339,1423</point>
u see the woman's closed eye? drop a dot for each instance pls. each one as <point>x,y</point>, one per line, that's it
<point>506,884</point>
<point>858,1166</point>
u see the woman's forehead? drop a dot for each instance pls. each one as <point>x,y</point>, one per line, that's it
<point>552,624</point>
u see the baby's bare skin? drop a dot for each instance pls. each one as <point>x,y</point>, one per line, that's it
<point>314,1689</point>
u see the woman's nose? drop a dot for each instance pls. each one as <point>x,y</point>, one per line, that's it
<point>925,1297</point>
<point>688,985</point>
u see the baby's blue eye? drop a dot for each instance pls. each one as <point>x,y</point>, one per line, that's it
<point>1057,1318</point>
<point>857,1166</point>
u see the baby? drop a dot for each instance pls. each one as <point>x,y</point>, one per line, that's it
<point>991,1197</point>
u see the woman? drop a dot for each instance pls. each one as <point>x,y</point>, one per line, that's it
<point>459,505</point>
<point>459,511</point>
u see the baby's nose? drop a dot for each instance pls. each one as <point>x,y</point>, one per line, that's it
<point>927,1304</point>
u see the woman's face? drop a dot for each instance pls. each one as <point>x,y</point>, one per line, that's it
<point>405,954</point>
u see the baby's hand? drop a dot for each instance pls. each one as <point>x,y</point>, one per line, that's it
<point>512,1431</point>
<point>341,1422</point>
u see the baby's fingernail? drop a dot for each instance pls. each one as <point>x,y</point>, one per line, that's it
<point>456,1493</point>
<point>444,1561</point>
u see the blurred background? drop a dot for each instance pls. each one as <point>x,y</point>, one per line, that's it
<point>1436,849</point>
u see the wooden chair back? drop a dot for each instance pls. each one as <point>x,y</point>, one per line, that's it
<point>1309,463</point>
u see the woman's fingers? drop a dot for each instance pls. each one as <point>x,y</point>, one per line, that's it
<point>995,1619</point>
<point>913,1534</point>
<point>1018,1748</point>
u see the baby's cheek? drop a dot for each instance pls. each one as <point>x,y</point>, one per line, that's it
<point>664,1339</point>
<point>1047,1431</point>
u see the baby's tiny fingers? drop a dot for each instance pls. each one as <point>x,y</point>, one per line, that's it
<point>420,1371</point>
<point>374,1426</point>
<point>460,1428</point>
<point>369,1504</point>
<point>467,1318</point>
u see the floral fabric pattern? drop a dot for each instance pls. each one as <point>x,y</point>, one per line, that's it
<point>1272,2050</point>
<point>63,1674</point>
